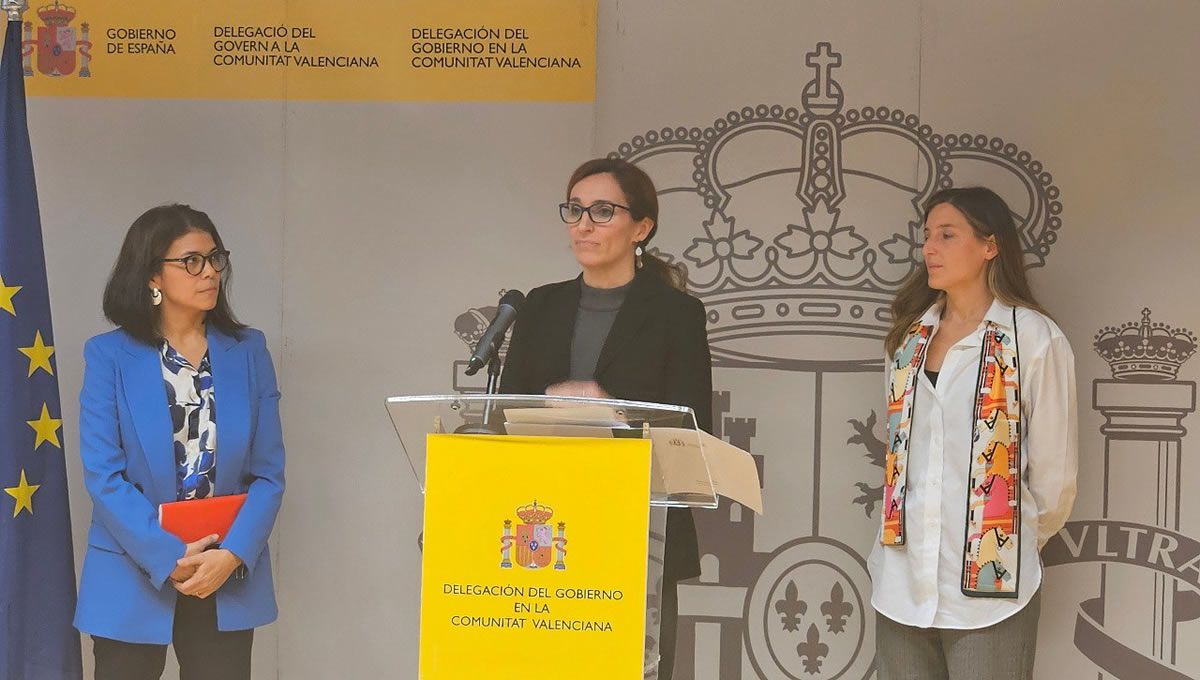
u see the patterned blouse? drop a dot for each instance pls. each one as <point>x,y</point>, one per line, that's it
<point>194,422</point>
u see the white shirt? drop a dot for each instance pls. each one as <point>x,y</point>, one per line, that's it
<point>919,583</point>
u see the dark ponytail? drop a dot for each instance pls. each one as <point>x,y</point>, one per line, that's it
<point>674,275</point>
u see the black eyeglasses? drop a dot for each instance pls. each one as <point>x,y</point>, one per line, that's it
<point>600,213</point>
<point>194,264</point>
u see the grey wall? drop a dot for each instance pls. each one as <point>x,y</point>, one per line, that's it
<point>361,231</point>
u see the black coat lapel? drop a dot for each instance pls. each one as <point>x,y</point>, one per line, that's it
<point>639,302</point>
<point>561,310</point>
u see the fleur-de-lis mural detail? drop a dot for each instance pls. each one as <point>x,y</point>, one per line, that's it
<point>864,434</point>
<point>836,609</point>
<point>791,608</point>
<point>812,651</point>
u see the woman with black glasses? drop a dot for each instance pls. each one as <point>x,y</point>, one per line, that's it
<point>148,435</point>
<point>624,328</point>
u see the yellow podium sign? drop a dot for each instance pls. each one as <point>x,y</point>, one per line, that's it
<point>534,560</point>
<point>370,50</point>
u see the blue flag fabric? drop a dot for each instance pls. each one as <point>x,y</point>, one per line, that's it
<point>37,567</point>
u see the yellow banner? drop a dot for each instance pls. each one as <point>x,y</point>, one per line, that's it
<point>370,50</point>
<point>534,561</point>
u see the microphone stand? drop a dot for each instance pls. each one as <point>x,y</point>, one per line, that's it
<point>493,373</point>
<point>493,387</point>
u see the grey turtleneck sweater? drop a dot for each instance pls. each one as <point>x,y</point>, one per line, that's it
<point>598,309</point>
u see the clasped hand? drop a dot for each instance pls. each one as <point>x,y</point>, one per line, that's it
<point>201,572</point>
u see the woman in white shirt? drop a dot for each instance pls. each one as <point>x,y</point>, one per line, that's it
<point>982,452</point>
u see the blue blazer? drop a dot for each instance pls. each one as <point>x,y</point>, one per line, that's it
<point>126,445</point>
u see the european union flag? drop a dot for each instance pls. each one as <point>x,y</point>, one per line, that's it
<point>37,567</point>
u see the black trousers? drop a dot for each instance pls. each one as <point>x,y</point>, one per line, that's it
<point>202,650</point>
<point>681,562</point>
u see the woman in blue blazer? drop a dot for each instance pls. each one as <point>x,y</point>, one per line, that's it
<point>148,435</point>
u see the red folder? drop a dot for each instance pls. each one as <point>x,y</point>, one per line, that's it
<point>193,520</point>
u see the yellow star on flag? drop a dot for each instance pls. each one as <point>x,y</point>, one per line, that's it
<point>6,295</point>
<point>46,428</point>
<point>39,355</point>
<point>23,492</point>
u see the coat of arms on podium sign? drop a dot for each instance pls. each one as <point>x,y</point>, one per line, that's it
<point>535,542</point>
<point>57,47</point>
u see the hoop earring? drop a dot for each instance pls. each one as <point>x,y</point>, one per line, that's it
<point>155,297</point>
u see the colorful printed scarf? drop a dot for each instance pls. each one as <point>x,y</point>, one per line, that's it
<point>991,554</point>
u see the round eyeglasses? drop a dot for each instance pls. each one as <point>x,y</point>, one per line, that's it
<point>194,264</point>
<point>599,213</point>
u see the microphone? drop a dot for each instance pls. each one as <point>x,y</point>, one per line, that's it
<point>493,337</point>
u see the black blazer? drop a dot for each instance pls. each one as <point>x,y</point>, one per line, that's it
<point>657,350</point>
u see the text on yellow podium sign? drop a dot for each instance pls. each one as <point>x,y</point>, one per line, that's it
<point>534,557</point>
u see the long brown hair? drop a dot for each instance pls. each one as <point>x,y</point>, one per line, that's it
<point>642,199</point>
<point>988,215</point>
